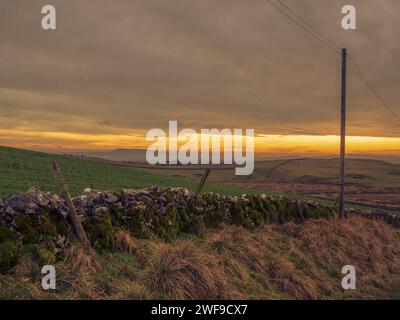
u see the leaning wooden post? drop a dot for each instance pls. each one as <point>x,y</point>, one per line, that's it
<point>203,181</point>
<point>76,224</point>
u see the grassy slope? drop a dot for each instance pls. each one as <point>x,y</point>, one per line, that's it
<point>274,262</point>
<point>22,169</point>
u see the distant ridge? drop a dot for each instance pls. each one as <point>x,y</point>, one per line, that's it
<point>134,155</point>
<point>139,155</point>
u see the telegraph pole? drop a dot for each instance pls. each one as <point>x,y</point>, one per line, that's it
<point>343,132</point>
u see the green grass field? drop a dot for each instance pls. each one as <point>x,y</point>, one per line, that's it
<point>23,169</point>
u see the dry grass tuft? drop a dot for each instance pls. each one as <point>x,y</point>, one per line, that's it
<point>76,275</point>
<point>124,242</point>
<point>77,258</point>
<point>183,271</point>
<point>132,291</point>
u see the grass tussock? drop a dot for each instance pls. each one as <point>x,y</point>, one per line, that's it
<point>75,277</point>
<point>123,242</point>
<point>275,261</point>
<point>183,271</point>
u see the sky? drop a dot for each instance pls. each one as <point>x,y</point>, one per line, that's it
<point>115,69</point>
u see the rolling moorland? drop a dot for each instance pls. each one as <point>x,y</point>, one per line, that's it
<point>170,244</point>
<point>371,183</point>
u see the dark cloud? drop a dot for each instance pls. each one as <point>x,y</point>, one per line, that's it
<point>133,65</point>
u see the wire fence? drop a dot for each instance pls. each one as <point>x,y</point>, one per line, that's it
<point>21,173</point>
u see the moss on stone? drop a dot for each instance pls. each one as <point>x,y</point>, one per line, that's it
<point>26,225</point>
<point>116,215</point>
<point>185,223</point>
<point>163,234</point>
<point>60,225</point>
<point>133,223</point>
<point>9,255</point>
<point>100,231</point>
<point>45,254</point>
<point>238,214</point>
<point>46,226</point>
<point>6,234</point>
<point>256,217</point>
<point>174,217</point>
<point>215,217</point>
<point>39,228</point>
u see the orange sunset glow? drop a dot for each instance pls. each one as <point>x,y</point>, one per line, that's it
<point>264,143</point>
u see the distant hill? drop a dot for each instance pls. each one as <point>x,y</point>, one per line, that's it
<point>390,159</point>
<point>133,155</point>
<point>139,155</point>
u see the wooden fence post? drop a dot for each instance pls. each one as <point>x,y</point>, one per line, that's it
<point>203,181</point>
<point>76,224</point>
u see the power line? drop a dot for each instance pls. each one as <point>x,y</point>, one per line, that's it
<point>337,48</point>
<point>315,35</point>
<point>364,79</point>
<point>308,27</point>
